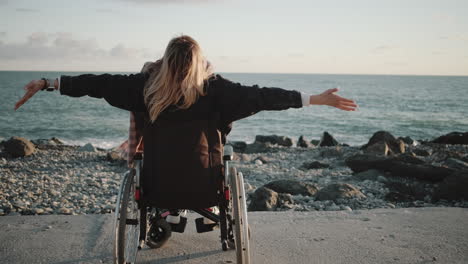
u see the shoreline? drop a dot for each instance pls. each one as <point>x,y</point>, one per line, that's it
<point>72,180</point>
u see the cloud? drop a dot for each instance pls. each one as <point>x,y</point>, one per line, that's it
<point>26,10</point>
<point>3,34</point>
<point>3,2</point>
<point>40,47</point>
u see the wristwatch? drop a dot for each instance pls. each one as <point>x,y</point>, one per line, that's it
<point>48,85</point>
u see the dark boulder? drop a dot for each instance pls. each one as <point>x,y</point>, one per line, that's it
<point>238,146</point>
<point>454,187</point>
<point>274,140</point>
<point>406,192</point>
<point>454,138</point>
<point>394,145</point>
<point>303,143</point>
<point>456,164</point>
<point>315,142</point>
<point>399,166</point>
<point>327,140</point>
<point>379,148</point>
<point>407,140</point>
<point>258,147</point>
<point>339,191</point>
<point>263,199</point>
<point>292,187</point>
<point>19,147</point>
<point>314,165</point>
<point>422,152</point>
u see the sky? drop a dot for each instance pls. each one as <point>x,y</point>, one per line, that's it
<point>411,37</point>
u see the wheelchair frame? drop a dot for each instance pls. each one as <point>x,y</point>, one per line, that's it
<point>131,213</point>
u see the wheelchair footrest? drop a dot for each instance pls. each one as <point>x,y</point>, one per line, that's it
<point>202,227</point>
<point>180,227</point>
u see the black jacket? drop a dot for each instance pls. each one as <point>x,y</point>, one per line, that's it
<point>183,148</point>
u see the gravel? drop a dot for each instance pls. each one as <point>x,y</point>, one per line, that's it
<point>61,179</point>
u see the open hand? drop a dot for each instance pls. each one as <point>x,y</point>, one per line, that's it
<point>30,89</point>
<point>331,99</point>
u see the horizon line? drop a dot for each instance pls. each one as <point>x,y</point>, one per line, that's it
<point>279,73</point>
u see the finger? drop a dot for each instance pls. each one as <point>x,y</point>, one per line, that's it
<point>20,103</point>
<point>348,104</point>
<point>330,91</point>
<point>344,99</point>
<point>346,108</point>
<point>28,86</point>
<point>23,100</point>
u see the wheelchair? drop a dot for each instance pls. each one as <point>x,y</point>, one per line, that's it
<point>133,216</point>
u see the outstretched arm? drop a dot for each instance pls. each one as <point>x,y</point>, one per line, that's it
<point>235,101</point>
<point>122,91</point>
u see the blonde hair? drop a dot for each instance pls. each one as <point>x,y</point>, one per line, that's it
<point>180,79</point>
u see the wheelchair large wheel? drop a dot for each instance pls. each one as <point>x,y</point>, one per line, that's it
<point>127,224</point>
<point>241,226</point>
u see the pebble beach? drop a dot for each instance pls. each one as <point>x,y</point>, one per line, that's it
<point>73,180</point>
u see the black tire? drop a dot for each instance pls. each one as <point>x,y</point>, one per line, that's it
<point>128,229</point>
<point>159,233</point>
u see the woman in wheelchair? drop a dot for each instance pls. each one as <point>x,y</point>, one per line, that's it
<point>188,111</point>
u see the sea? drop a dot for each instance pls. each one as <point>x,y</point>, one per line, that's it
<point>421,107</point>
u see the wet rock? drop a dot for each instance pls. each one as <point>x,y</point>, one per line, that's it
<point>339,191</point>
<point>314,165</point>
<point>453,138</point>
<point>263,199</point>
<point>315,142</point>
<point>19,147</point>
<point>453,188</point>
<point>327,140</point>
<point>275,140</point>
<point>303,143</point>
<point>292,187</point>
<point>87,148</point>
<point>395,146</point>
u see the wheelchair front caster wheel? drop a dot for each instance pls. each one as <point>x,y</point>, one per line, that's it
<point>159,233</point>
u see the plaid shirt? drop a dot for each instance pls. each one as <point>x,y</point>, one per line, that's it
<point>135,138</point>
